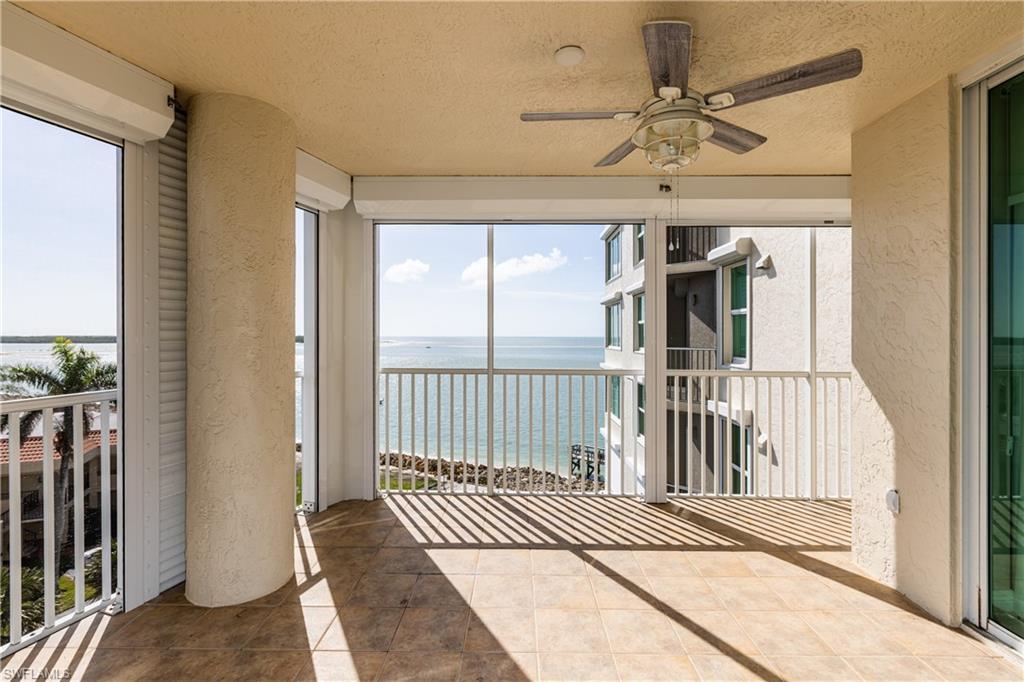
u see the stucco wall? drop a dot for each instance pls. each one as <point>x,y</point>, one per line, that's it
<point>241,347</point>
<point>903,314</point>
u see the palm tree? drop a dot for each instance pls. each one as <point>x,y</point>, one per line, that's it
<point>75,370</point>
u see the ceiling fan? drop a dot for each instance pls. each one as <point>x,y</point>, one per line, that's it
<point>672,124</point>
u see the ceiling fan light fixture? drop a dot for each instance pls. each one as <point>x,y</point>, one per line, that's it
<point>671,140</point>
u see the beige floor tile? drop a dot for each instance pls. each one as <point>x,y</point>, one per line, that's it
<point>496,630</point>
<point>443,591</point>
<point>781,633</point>
<point>558,562</point>
<point>733,669</point>
<point>156,626</point>
<point>612,562</point>
<point>275,598</point>
<point>399,560</point>
<point>451,560</point>
<point>504,562</point>
<point>892,668</point>
<point>686,594</point>
<point>496,591</point>
<point>323,591</point>
<point>292,627</point>
<point>231,665</point>
<point>624,592</point>
<point>654,667</point>
<point>360,628</point>
<point>720,564</point>
<point>99,664</point>
<point>712,632</point>
<point>342,666</point>
<point>563,592</point>
<point>925,637</point>
<point>570,631</point>
<point>369,535</point>
<point>345,562</point>
<point>746,594</point>
<point>774,564</point>
<point>814,668</point>
<point>640,632</point>
<point>665,563</point>
<point>89,632</point>
<point>431,630</point>
<point>975,668</point>
<point>594,667</point>
<point>866,595</point>
<point>223,628</point>
<point>853,634</point>
<point>415,667</point>
<point>383,589</point>
<point>499,667</point>
<point>809,593</point>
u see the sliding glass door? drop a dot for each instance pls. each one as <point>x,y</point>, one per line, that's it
<point>1006,354</point>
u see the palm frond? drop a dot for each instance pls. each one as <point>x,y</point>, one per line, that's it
<point>31,380</point>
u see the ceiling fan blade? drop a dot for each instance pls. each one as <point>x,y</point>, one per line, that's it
<point>810,74</point>
<point>734,138</point>
<point>668,53</point>
<point>573,115</point>
<point>617,154</point>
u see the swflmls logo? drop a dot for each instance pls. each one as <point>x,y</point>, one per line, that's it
<point>36,674</point>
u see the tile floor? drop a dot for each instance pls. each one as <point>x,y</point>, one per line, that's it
<point>427,587</point>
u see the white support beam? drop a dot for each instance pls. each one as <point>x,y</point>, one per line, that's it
<point>48,69</point>
<point>780,200</point>
<point>320,185</point>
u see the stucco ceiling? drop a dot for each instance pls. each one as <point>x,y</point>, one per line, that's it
<point>400,88</point>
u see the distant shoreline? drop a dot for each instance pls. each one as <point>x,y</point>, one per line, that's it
<point>84,338</point>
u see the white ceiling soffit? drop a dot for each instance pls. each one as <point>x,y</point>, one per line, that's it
<point>783,200</point>
<point>47,68</point>
<point>320,185</point>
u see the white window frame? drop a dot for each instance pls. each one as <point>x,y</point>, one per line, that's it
<point>614,236</point>
<point>617,418</point>
<point>609,310</point>
<point>311,493</point>
<point>726,314</point>
<point>638,410</point>
<point>975,83</point>
<point>639,322</point>
<point>639,243</point>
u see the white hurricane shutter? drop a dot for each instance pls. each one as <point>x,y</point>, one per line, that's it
<point>173,210</point>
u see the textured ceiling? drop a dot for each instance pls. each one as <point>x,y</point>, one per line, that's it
<point>400,88</point>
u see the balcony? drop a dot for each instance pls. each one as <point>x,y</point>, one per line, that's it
<point>686,244</point>
<point>520,588</point>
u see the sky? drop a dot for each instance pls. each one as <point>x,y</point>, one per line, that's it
<point>549,280</point>
<point>58,255</point>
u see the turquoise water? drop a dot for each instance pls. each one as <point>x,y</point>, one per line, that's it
<point>447,414</point>
<point>462,353</point>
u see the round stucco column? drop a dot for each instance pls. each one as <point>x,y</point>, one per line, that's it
<point>240,398</point>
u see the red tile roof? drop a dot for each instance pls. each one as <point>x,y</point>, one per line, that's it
<point>32,447</point>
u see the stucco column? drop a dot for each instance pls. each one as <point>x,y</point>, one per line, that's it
<point>241,349</point>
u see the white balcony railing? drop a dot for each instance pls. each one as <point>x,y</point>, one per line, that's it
<point>691,358</point>
<point>517,431</point>
<point>761,434</point>
<point>63,420</point>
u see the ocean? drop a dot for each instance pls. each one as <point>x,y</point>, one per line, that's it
<point>457,353</point>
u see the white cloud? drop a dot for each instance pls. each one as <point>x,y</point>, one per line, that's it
<point>520,266</point>
<point>409,270</point>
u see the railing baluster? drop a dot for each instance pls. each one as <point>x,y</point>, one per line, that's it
<point>839,436</point>
<point>689,434</point>
<point>703,434</point>
<point>412,429</point>
<point>769,441</point>
<point>476,432</point>
<point>426,435</point>
<point>544,431</point>
<point>676,454</point>
<point>529,431</point>
<point>465,461</point>
<point>583,435</point>
<point>519,428</point>
<point>452,433</point>
<point>824,437</point>
<point>716,436</point>
<point>568,421</point>
<point>755,429</point>
<point>401,453</point>
<point>79,505</point>
<point>597,459</point>
<point>105,496</point>
<point>798,481</point>
<point>49,576</point>
<point>607,487</point>
<point>558,427</point>
<point>437,434</point>
<point>14,491</point>
<point>387,433</point>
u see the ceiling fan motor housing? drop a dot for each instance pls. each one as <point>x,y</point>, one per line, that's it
<point>670,136</point>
